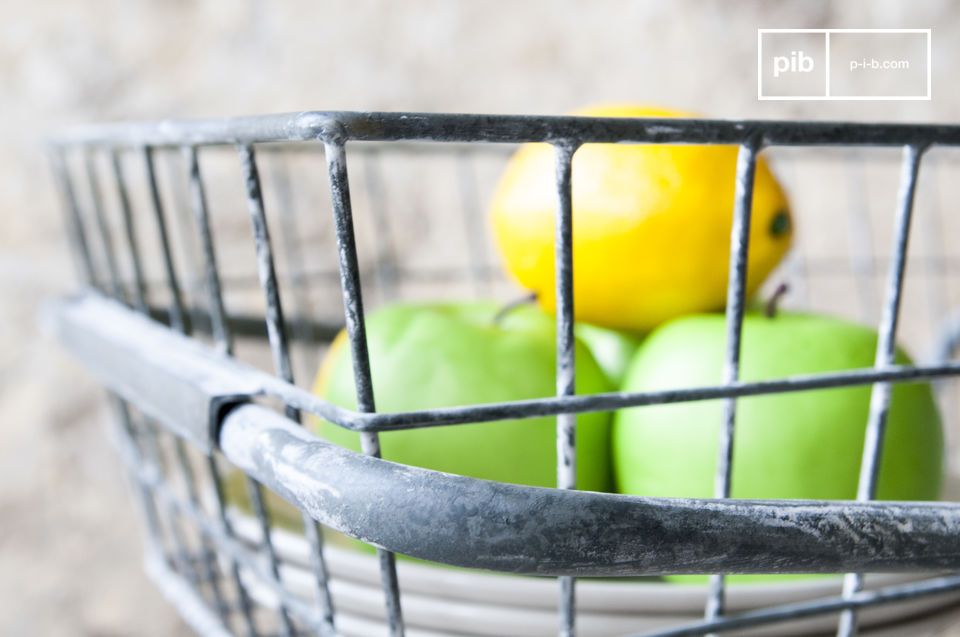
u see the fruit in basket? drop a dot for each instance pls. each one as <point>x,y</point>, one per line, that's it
<point>800,445</point>
<point>651,226</point>
<point>445,354</point>
<point>612,349</point>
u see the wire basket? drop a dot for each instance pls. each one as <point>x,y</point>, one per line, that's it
<point>180,318</point>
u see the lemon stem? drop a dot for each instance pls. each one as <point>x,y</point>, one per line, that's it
<point>510,306</point>
<point>773,303</point>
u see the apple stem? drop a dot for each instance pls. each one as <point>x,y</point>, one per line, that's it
<point>773,303</point>
<point>510,306</point>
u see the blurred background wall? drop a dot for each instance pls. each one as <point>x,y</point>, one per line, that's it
<point>69,549</point>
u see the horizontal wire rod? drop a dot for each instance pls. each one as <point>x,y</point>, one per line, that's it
<point>599,402</point>
<point>339,127</point>
<point>94,316</point>
<point>769,615</point>
<point>939,265</point>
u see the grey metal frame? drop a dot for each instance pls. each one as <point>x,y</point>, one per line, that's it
<point>209,399</point>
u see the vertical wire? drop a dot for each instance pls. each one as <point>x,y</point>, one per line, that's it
<point>246,607</point>
<point>148,505</point>
<point>208,550</point>
<point>130,234</point>
<point>176,311</point>
<point>209,573</point>
<point>736,293</point>
<point>182,460</point>
<point>472,225</point>
<point>223,338</point>
<point>946,389</point>
<point>566,369</point>
<point>386,252</point>
<point>150,445</point>
<point>182,214</point>
<point>797,257</point>
<point>862,257</point>
<point>356,330</point>
<point>934,245</point>
<point>99,215</point>
<point>291,235</point>
<point>304,310</point>
<point>886,354</point>
<point>280,349</point>
<point>254,488</point>
<point>276,329</point>
<point>154,455</point>
<point>80,248</point>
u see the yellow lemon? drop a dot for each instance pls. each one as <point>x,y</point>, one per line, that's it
<point>651,226</point>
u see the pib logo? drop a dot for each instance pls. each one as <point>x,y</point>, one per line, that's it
<point>796,62</point>
<point>840,64</point>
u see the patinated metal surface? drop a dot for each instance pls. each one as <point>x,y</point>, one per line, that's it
<point>491,525</point>
<point>334,126</point>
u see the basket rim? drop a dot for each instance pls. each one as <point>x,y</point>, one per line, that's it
<point>339,127</point>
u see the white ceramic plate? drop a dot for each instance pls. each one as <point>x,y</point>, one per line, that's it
<point>448,601</point>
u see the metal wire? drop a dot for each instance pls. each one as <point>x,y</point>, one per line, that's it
<point>472,223</point>
<point>387,277</point>
<point>886,353</point>
<point>783,612</point>
<point>177,315</point>
<point>224,342</point>
<point>291,236</point>
<point>99,215</point>
<point>360,356</point>
<point>148,507</point>
<point>280,350</point>
<point>522,409</point>
<point>340,127</point>
<point>189,243</point>
<point>130,234</point>
<point>862,261</point>
<point>180,544</point>
<point>736,297</point>
<point>566,361</point>
<point>74,220</point>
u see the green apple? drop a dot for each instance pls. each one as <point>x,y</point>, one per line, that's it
<point>446,354</point>
<point>793,445</point>
<point>800,445</point>
<point>612,349</point>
